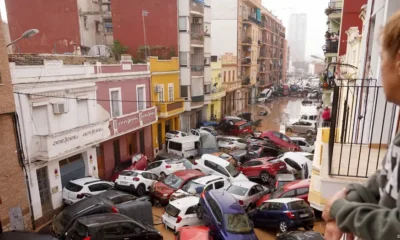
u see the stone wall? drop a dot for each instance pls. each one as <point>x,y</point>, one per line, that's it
<point>37,59</point>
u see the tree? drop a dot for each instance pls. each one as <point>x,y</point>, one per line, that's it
<point>118,49</point>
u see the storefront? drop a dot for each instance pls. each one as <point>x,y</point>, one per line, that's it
<point>160,128</point>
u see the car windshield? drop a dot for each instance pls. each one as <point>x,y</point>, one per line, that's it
<point>277,193</point>
<point>281,183</point>
<point>262,95</point>
<point>238,223</point>
<point>173,181</point>
<point>193,187</point>
<point>232,170</point>
<point>297,205</point>
<point>172,211</point>
<point>237,190</point>
<point>73,187</point>
<point>129,173</point>
<point>60,222</point>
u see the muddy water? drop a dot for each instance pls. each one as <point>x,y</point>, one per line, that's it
<point>279,111</point>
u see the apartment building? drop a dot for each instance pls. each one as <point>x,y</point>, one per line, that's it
<point>234,101</point>
<point>297,36</point>
<point>218,92</point>
<point>364,123</point>
<point>15,210</point>
<point>256,37</point>
<point>89,24</point>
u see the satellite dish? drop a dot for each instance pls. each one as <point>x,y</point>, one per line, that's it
<point>99,50</point>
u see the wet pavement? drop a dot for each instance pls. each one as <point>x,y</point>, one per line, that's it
<point>280,110</point>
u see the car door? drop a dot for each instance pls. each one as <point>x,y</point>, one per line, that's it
<point>274,214</point>
<point>246,168</point>
<point>252,195</point>
<point>191,217</point>
<point>222,171</point>
<point>296,127</point>
<point>147,180</point>
<point>260,216</point>
<point>302,193</point>
<point>255,169</point>
<point>154,168</point>
<point>131,231</point>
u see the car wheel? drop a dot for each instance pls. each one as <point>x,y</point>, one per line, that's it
<point>140,190</point>
<point>288,130</point>
<point>163,175</point>
<point>265,177</point>
<point>283,227</point>
<point>199,213</point>
<point>309,133</point>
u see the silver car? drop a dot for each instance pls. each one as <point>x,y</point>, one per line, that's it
<point>306,127</point>
<point>247,193</point>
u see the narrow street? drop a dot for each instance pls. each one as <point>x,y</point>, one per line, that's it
<point>279,110</point>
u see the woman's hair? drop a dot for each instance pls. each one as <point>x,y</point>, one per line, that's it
<point>391,35</point>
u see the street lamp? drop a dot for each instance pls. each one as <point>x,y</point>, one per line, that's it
<point>27,34</point>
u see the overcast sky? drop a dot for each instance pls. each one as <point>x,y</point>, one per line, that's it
<point>316,20</point>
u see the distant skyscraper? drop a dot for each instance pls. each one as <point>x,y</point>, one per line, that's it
<point>297,36</point>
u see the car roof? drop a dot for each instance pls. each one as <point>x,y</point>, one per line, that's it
<point>297,184</point>
<point>134,170</point>
<point>185,202</point>
<point>84,205</point>
<point>298,138</point>
<point>215,159</point>
<point>112,193</point>
<point>190,138</point>
<point>85,180</point>
<point>169,156</point>
<point>188,174</point>
<point>285,177</point>
<point>194,232</point>
<point>284,200</point>
<point>245,184</point>
<point>102,218</point>
<point>263,159</point>
<point>227,202</point>
<point>208,178</point>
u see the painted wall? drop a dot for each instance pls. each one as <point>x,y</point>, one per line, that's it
<point>224,29</point>
<point>50,17</point>
<point>166,71</point>
<point>161,23</point>
<point>350,18</point>
<point>174,125</point>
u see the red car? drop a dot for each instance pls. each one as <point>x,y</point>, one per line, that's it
<point>239,128</point>
<point>281,140</point>
<point>162,190</point>
<point>139,162</point>
<point>263,168</point>
<point>194,233</point>
<point>298,189</point>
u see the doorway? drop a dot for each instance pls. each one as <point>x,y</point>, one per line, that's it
<point>141,141</point>
<point>44,190</point>
<point>100,161</point>
<point>212,111</point>
<point>117,155</point>
<point>159,136</point>
<point>168,126</point>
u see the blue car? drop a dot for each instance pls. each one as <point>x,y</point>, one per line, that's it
<point>284,214</point>
<point>224,216</point>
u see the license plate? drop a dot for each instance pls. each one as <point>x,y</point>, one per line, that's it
<point>304,215</point>
<point>124,183</point>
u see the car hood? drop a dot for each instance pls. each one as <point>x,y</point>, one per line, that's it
<point>160,187</point>
<point>241,177</point>
<point>241,236</point>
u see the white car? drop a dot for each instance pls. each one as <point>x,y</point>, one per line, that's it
<point>247,193</point>
<point>304,145</point>
<point>76,190</point>
<point>265,95</point>
<point>196,186</point>
<point>210,164</point>
<point>199,132</point>
<point>175,134</point>
<point>231,143</point>
<point>181,213</point>
<point>135,181</point>
<point>302,126</point>
<point>298,161</point>
<point>163,168</point>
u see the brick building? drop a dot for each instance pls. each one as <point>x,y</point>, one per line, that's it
<point>13,193</point>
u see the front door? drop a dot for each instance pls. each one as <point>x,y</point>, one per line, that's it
<point>117,155</point>
<point>141,140</point>
<point>100,161</point>
<point>44,190</point>
<point>159,136</point>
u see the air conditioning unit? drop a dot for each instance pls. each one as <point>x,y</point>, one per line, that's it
<point>115,126</point>
<point>197,20</point>
<point>60,108</point>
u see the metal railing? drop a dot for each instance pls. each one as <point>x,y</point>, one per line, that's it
<point>335,4</point>
<point>331,46</point>
<point>362,126</point>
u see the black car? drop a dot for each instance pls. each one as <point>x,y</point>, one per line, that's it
<point>21,235</point>
<point>111,226</point>
<point>119,197</point>
<point>300,235</point>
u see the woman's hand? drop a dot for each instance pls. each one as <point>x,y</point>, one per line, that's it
<point>326,214</point>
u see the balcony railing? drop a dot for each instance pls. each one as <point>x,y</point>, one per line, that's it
<point>247,40</point>
<point>198,98</point>
<point>251,17</point>
<point>246,81</point>
<point>197,70</point>
<point>168,109</point>
<point>197,6</point>
<point>362,126</point>
<point>197,38</point>
<point>335,4</point>
<point>231,86</point>
<point>331,46</point>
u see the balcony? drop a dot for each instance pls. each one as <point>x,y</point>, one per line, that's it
<point>58,144</point>
<point>218,93</point>
<point>247,41</point>
<point>330,47</point>
<point>334,9</point>
<point>196,36</point>
<point>169,109</point>
<point>197,7</point>
<point>246,62</point>
<point>197,70</point>
<point>251,18</point>
<point>246,81</point>
<point>197,101</point>
<point>231,86</point>
<point>262,69</point>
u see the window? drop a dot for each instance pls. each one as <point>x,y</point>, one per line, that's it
<point>208,188</point>
<point>141,97</point>
<point>229,76</point>
<point>183,59</point>
<point>293,164</point>
<point>219,184</point>
<point>111,230</point>
<point>175,146</point>
<point>108,26</point>
<point>183,24</point>
<point>153,165</point>
<point>207,89</point>
<point>210,164</point>
<point>190,210</point>
<point>97,23</point>
<point>233,76</point>
<point>274,206</point>
<point>184,91</point>
<point>128,228</point>
<point>214,207</point>
<point>85,22</point>
<point>170,92</point>
<point>40,120</point>
<point>99,187</point>
<point>302,191</point>
<point>222,170</point>
<point>160,92</point>
<point>301,143</point>
<point>288,194</point>
<point>259,188</point>
<point>214,58</point>
<point>253,191</point>
<point>116,104</point>
<point>83,112</point>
